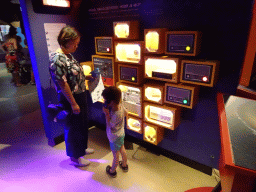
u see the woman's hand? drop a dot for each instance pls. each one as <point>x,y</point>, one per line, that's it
<point>89,77</point>
<point>75,109</point>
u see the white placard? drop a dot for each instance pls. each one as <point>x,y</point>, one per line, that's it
<point>96,88</point>
<point>52,31</point>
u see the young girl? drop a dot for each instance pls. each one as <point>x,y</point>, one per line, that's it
<point>115,120</point>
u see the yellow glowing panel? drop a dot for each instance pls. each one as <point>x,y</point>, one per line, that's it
<point>87,69</point>
<point>150,134</point>
<point>152,41</point>
<point>58,3</point>
<point>160,65</point>
<point>122,30</point>
<point>128,52</point>
<point>134,124</point>
<point>153,94</point>
<point>159,116</point>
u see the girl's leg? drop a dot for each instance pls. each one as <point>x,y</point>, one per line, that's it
<point>115,161</point>
<point>124,156</point>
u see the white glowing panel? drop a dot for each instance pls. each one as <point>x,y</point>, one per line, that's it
<point>87,69</point>
<point>58,3</point>
<point>128,53</point>
<point>150,134</point>
<point>121,30</point>
<point>153,94</point>
<point>134,124</point>
<point>160,65</point>
<point>152,41</point>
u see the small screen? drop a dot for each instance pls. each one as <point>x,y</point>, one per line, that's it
<point>180,43</point>
<point>178,95</point>
<point>103,66</point>
<point>128,74</point>
<point>197,72</point>
<point>104,45</point>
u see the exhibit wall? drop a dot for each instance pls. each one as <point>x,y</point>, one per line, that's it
<point>223,26</point>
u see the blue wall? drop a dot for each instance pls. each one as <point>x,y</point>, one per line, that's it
<point>224,25</point>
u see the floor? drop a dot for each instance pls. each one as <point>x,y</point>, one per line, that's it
<point>29,164</point>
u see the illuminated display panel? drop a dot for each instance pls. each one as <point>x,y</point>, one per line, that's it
<point>57,3</point>
<point>131,99</point>
<point>104,45</point>
<point>152,133</point>
<point>164,116</point>
<point>199,72</point>
<point>162,68</point>
<point>129,52</point>
<point>126,30</point>
<point>154,93</point>
<point>130,74</point>
<point>181,95</point>
<point>182,43</point>
<point>104,66</point>
<point>134,124</point>
<point>154,40</point>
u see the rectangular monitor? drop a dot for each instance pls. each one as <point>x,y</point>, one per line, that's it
<point>199,72</point>
<point>152,133</point>
<point>181,95</point>
<point>182,43</point>
<point>130,74</point>
<point>104,46</point>
<point>131,99</point>
<point>165,116</point>
<point>129,52</point>
<point>154,40</point>
<point>128,30</point>
<point>162,68</point>
<point>104,66</point>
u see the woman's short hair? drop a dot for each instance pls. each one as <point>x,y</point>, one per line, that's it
<point>67,34</point>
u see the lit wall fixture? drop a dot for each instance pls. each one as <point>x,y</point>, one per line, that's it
<point>199,72</point>
<point>181,95</point>
<point>58,3</point>
<point>162,68</point>
<point>154,93</point>
<point>129,52</point>
<point>164,116</point>
<point>128,30</point>
<point>152,133</point>
<point>132,98</point>
<point>104,46</point>
<point>154,40</point>
<point>182,43</point>
<point>134,124</point>
<point>131,74</point>
<point>104,66</point>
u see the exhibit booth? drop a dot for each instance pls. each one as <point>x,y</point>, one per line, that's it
<point>170,59</point>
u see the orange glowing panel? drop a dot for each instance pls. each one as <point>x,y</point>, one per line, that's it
<point>154,93</point>
<point>57,3</point>
<point>154,40</point>
<point>152,133</point>
<point>164,116</point>
<point>129,52</point>
<point>134,124</point>
<point>126,30</point>
<point>162,68</point>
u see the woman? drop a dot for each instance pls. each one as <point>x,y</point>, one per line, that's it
<point>69,78</point>
<point>11,47</point>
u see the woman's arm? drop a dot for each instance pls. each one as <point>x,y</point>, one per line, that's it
<point>65,89</point>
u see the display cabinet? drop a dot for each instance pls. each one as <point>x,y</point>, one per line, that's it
<point>181,95</point>
<point>135,124</point>
<point>203,73</point>
<point>130,74</point>
<point>104,46</point>
<point>154,92</point>
<point>152,133</point>
<point>162,68</point>
<point>154,40</point>
<point>126,30</point>
<point>162,115</point>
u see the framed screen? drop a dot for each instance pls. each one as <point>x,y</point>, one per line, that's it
<point>104,45</point>
<point>154,40</point>
<point>182,43</point>
<point>126,30</point>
